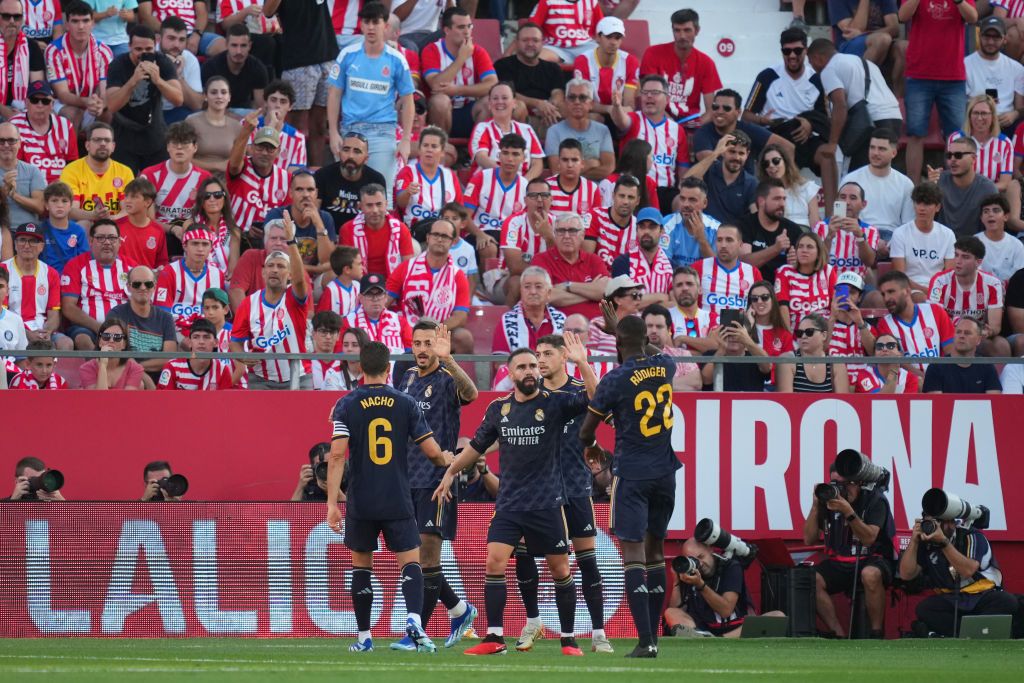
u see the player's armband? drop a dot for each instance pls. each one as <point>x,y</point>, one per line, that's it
<point>340,430</point>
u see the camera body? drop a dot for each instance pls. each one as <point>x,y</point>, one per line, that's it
<point>828,491</point>
<point>683,565</point>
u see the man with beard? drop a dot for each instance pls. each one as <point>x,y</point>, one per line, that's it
<point>725,120</point>
<point>92,284</point>
<point>256,183</point>
<point>96,180</point>
<point>528,425</point>
<point>440,388</point>
<point>989,68</point>
<point>768,234</point>
<point>691,323</point>
<point>724,279</point>
<point>731,190</point>
<point>922,329</point>
<point>692,73</point>
<point>579,511</point>
<point>383,240</point>
<point>612,230</point>
<point>538,82</point>
<point>338,183</point>
<point>314,227</point>
<point>689,232</point>
<point>645,262</point>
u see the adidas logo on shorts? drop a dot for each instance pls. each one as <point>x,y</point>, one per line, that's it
<point>429,523</point>
<point>560,544</point>
<point>588,528</point>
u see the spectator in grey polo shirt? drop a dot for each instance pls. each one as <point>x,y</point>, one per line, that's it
<point>23,183</point>
<point>598,153</point>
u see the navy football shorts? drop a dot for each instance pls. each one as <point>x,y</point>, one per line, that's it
<point>579,517</point>
<point>641,507</point>
<point>543,531</point>
<point>435,516</point>
<point>399,534</point>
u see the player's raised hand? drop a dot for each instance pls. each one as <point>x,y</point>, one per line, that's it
<point>575,351</point>
<point>442,342</point>
<point>611,320</point>
<point>334,518</point>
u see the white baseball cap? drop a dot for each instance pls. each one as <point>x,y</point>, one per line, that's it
<point>852,279</point>
<point>610,25</point>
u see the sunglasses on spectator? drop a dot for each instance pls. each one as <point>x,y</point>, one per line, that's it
<point>8,141</point>
<point>139,284</point>
<point>722,107</point>
<point>787,51</point>
<point>357,136</point>
<point>40,100</point>
<point>754,298</point>
<point>774,161</point>
<point>112,336</point>
<point>888,346</point>
<point>949,155</point>
<point>806,332</point>
<point>577,98</point>
<point>538,195</point>
<point>6,16</point>
<point>633,294</point>
<point>216,194</point>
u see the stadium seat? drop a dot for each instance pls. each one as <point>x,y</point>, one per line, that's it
<point>68,369</point>
<point>487,34</point>
<point>482,321</point>
<point>638,37</point>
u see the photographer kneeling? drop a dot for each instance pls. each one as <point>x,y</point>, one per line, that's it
<point>957,561</point>
<point>858,529</point>
<point>709,599</point>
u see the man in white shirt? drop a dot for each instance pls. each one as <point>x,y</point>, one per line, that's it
<point>923,247</point>
<point>1004,254</point>
<point>889,190</point>
<point>990,71</point>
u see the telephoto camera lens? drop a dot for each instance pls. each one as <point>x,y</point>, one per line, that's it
<point>685,565</point>
<point>175,485</point>
<point>49,481</point>
<point>321,471</point>
<point>928,526</point>
<point>827,492</point>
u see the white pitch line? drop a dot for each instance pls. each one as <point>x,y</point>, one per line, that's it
<point>378,669</point>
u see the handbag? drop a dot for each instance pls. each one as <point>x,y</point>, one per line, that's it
<point>857,131</point>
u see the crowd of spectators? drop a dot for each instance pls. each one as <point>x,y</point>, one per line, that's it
<point>207,178</point>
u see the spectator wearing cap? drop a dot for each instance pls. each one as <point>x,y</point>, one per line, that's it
<point>989,69</point>
<point>788,99</point>
<point>645,262</point>
<point>113,373</point>
<point>849,334</point>
<point>24,59</point>
<point>149,328</point>
<point>338,184</point>
<point>65,239</point>
<point>216,307</point>
<point>23,183</point>
<point>279,97</point>
<point>935,73</point>
<point>374,115</point>
<point>94,283</point>
<point>180,287</point>
<point>137,88</point>
<point>48,141</point>
<point>34,287</point>
<point>255,182</point>
<point>143,240</point>
<point>380,324</point>
<point>727,119</point>
<point>622,297</point>
<point>273,319</point>
<point>692,75</point>
<point>200,374</point>
<point>609,68</point>
<point>689,232</point>
<point>577,276</point>
<point>731,189</point>
<point>246,75</point>
<point>314,227</point>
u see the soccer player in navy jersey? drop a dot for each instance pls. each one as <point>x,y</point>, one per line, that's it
<point>440,388</point>
<point>638,394</point>
<point>528,425</point>
<point>577,481</point>
<point>376,423</point>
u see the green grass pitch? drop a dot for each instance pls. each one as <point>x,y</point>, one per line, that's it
<point>225,660</point>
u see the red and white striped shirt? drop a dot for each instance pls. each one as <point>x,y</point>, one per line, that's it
<point>82,73</point>
<point>928,332</point>
<point>655,277</point>
<point>391,329</point>
<point>181,292</point>
<point>668,141</point>
<point>516,233</point>
<point>32,295</point>
<point>491,201</point>
<point>435,58</point>
<point>51,151</point>
<point>98,288</point>
<point>487,135</point>
<point>585,197</point>
<point>183,9</point>
<point>845,340</point>
<point>434,193</point>
<point>868,381</point>
<point>25,380</point>
<point>567,23</point>
<point>178,375</point>
<point>321,369</point>
<point>40,17</point>
<point>986,292</point>
<point>1014,8</point>
<point>252,195</point>
<point>804,294</point>
<point>994,158</point>
<point>277,328</point>
<point>723,287</point>
<point>293,146</point>
<point>339,298</point>
<point>612,239</point>
<point>345,16</point>
<point>221,252</point>
<point>263,23</point>
<point>175,194</point>
<point>623,73</point>
<point>843,255</point>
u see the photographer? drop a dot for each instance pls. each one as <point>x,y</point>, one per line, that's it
<point>712,600</point>
<point>858,529</point>
<point>312,486</point>
<point>28,484</point>
<point>949,553</point>
<point>160,487</point>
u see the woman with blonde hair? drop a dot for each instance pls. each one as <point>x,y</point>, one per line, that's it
<point>801,194</point>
